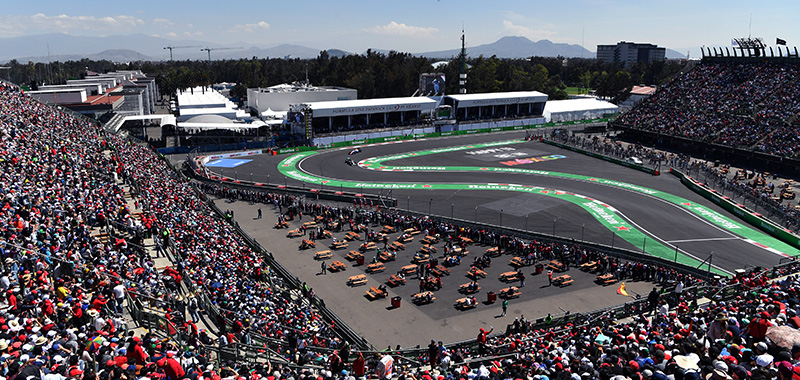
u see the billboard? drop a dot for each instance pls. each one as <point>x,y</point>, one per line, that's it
<point>431,84</point>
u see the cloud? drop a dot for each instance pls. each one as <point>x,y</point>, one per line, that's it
<point>395,29</point>
<point>66,23</point>
<point>250,28</point>
<point>162,22</point>
<point>512,15</point>
<point>532,34</point>
<point>20,25</point>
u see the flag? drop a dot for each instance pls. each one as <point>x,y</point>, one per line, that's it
<point>779,41</point>
<point>621,290</point>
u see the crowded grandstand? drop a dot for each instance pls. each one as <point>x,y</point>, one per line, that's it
<point>751,106</point>
<point>86,214</point>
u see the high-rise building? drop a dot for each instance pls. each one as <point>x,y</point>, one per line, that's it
<point>628,53</point>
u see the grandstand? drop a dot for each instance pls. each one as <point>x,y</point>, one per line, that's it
<point>727,109</point>
<point>97,228</point>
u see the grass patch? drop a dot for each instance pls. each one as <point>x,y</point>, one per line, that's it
<point>577,90</point>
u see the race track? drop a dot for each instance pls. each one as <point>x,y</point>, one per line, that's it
<point>556,192</point>
<point>566,194</point>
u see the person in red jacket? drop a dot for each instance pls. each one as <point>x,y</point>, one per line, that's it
<point>99,302</point>
<point>358,365</point>
<point>136,352</point>
<point>482,340</point>
<point>758,326</point>
<point>172,369</point>
<point>12,300</point>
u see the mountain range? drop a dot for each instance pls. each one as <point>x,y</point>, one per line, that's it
<point>140,47</point>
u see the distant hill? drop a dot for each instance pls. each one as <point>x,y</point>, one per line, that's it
<point>338,53</point>
<point>113,55</point>
<point>128,48</point>
<point>280,51</point>
<point>516,47</point>
<point>66,45</point>
<point>672,54</point>
<point>137,46</point>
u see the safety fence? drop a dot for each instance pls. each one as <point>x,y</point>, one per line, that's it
<point>598,152</point>
<point>713,151</point>
<point>260,347</point>
<point>275,349</point>
<point>781,213</point>
<point>263,343</point>
<point>751,217</point>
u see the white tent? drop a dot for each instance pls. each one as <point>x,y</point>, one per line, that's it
<point>577,109</point>
<point>371,106</point>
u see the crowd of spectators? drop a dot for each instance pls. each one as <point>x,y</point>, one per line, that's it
<point>780,210</point>
<point>64,285</point>
<point>72,250</point>
<point>764,198</point>
<point>744,105</point>
<point>671,337</point>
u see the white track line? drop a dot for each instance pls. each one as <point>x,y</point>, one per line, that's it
<point>702,240</point>
<point>733,236</point>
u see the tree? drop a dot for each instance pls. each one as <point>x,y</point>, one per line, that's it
<point>239,91</point>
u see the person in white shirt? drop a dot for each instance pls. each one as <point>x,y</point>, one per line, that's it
<point>119,297</point>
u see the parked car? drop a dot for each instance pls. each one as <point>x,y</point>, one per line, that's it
<point>634,160</point>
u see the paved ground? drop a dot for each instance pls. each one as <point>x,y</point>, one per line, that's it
<point>412,325</point>
<point>662,220</point>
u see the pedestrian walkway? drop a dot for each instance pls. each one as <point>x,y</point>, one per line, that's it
<point>160,262</point>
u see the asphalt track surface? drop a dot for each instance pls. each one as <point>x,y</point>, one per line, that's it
<point>415,325</point>
<point>659,219</point>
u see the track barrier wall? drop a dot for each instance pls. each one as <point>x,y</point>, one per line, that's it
<point>423,135</point>
<point>751,217</point>
<point>603,157</point>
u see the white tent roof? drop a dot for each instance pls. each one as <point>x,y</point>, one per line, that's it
<point>238,127</point>
<point>162,120</point>
<point>498,98</point>
<point>269,113</point>
<point>577,109</point>
<point>573,105</point>
<point>365,106</point>
<point>227,112</point>
<point>199,97</point>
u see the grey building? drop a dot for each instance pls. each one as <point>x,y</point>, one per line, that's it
<point>628,53</point>
<point>279,98</point>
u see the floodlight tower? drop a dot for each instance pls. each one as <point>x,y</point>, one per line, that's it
<point>462,77</point>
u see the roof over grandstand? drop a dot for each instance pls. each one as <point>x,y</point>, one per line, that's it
<point>580,104</point>
<point>498,98</point>
<point>366,106</point>
<point>643,90</point>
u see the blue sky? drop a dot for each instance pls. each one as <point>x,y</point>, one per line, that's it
<point>412,25</point>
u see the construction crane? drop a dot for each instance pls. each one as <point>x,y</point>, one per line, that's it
<point>176,47</point>
<point>208,49</point>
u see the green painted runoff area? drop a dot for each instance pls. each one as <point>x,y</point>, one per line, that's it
<point>606,214</point>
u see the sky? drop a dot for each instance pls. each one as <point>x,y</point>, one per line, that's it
<point>413,25</point>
